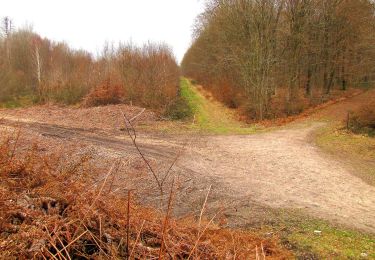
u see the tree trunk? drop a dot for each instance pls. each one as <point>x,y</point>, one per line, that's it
<point>343,80</point>
<point>330,82</point>
<point>308,83</point>
<point>260,111</point>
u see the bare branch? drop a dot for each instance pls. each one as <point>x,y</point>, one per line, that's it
<point>133,136</point>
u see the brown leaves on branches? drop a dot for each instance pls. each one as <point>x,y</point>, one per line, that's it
<point>105,94</point>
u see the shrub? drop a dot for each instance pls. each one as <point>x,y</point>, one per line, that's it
<point>21,101</point>
<point>66,95</point>
<point>194,82</point>
<point>179,109</point>
<point>104,94</point>
<point>149,74</point>
<point>363,119</point>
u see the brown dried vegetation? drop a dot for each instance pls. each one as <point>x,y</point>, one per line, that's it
<point>104,94</point>
<point>364,117</point>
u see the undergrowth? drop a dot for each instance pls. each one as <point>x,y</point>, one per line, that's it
<point>363,120</point>
<point>21,101</point>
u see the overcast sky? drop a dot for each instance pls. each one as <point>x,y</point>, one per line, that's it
<point>88,24</point>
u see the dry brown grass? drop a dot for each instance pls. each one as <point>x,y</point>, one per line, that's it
<point>53,208</point>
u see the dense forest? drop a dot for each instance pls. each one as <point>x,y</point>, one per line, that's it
<point>36,70</point>
<point>275,57</point>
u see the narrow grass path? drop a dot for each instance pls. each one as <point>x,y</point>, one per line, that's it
<point>210,115</point>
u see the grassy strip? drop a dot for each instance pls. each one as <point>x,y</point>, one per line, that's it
<point>194,100</point>
<point>211,116</point>
<point>312,238</point>
<point>357,149</point>
<point>330,243</point>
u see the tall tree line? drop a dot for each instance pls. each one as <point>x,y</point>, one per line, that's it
<point>275,57</point>
<point>47,71</point>
<point>41,69</point>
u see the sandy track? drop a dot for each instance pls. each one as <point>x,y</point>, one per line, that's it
<point>157,149</point>
<point>282,169</point>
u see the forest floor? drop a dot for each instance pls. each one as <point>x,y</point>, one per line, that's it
<point>277,177</point>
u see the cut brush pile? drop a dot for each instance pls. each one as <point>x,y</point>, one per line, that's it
<point>51,207</point>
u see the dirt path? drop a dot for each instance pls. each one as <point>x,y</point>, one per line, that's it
<point>279,169</point>
<point>283,170</point>
<point>155,148</point>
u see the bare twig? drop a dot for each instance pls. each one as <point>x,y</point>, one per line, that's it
<point>134,117</point>
<point>58,254</point>
<point>35,255</point>
<point>166,219</point>
<point>66,251</point>
<point>173,163</point>
<point>133,136</point>
<point>102,187</point>
<point>201,234</point>
<point>202,211</point>
<point>95,239</point>
<point>128,225</point>
<point>114,177</point>
<point>137,239</point>
<point>15,145</point>
<point>73,241</point>
<point>203,207</point>
<point>53,256</point>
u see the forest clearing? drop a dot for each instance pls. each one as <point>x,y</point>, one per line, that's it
<point>254,141</point>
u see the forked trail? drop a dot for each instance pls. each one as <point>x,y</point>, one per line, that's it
<point>279,169</point>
